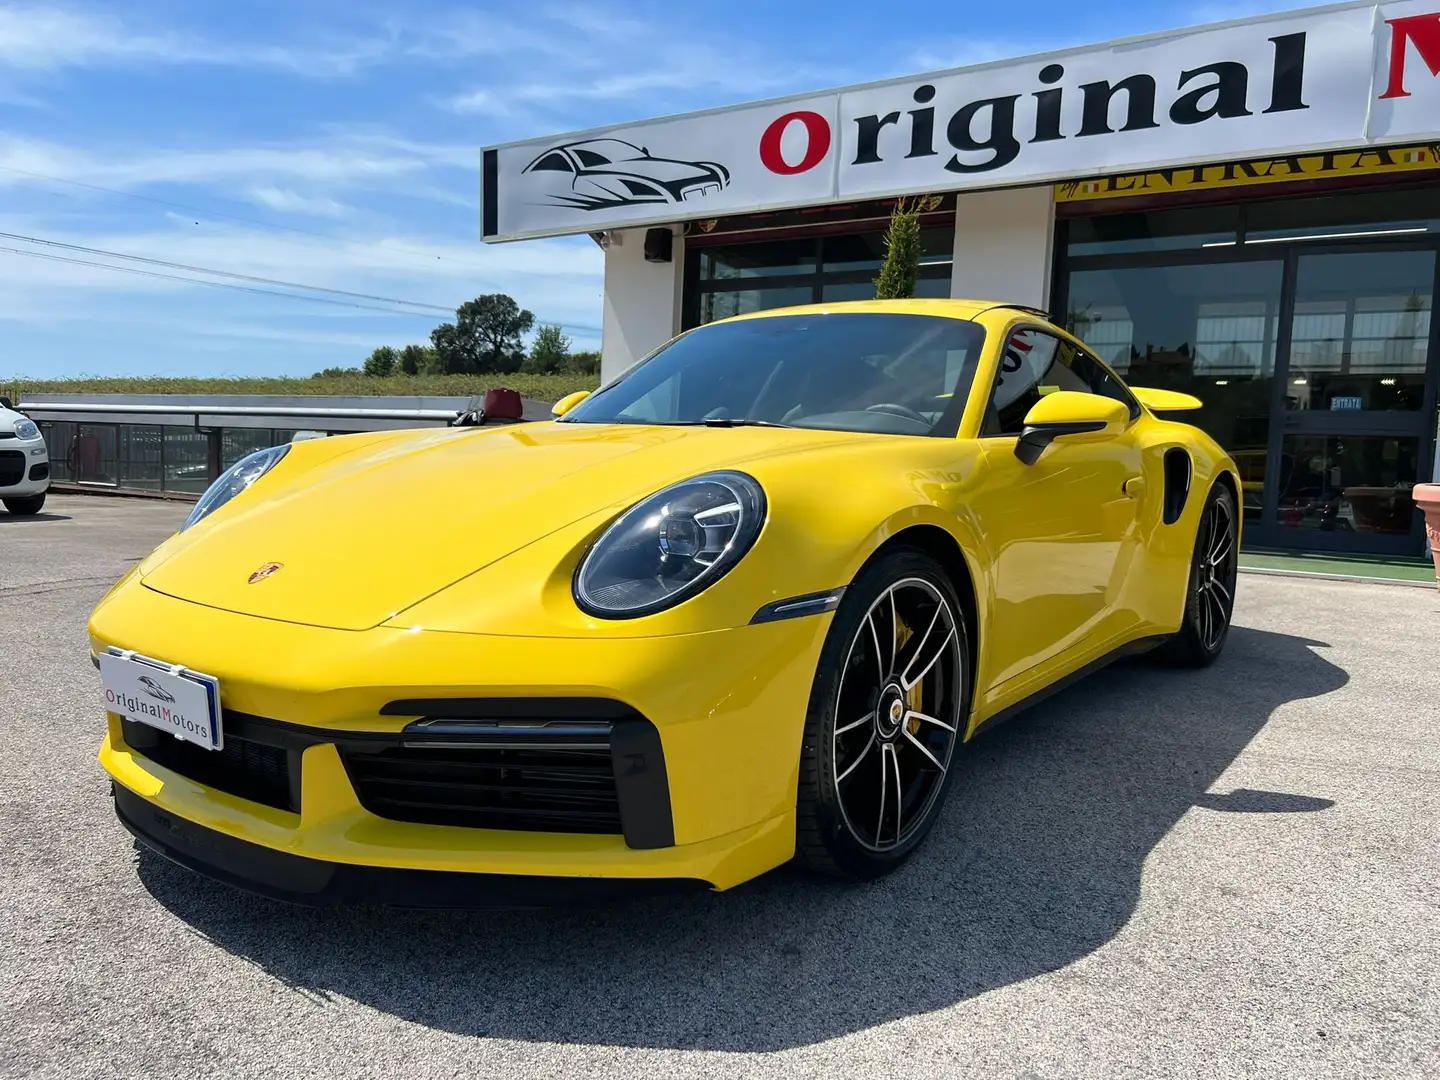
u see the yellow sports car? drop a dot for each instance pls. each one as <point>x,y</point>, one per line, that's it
<point>746,603</point>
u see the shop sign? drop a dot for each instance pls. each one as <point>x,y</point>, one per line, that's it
<point>1268,170</point>
<point>1283,89</point>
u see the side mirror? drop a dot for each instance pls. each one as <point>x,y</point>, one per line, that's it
<point>568,402</point>
<point>1072,416</point>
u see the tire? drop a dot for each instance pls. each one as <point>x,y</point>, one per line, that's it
<point>866,729</point>
<point>1210,586</point>
<point>26,507</point>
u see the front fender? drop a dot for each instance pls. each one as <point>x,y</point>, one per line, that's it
<point>830,511</point>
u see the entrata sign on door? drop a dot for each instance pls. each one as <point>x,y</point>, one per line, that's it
<point>1340,77</point>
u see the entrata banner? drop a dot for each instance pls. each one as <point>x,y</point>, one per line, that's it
<point>1340,77</point>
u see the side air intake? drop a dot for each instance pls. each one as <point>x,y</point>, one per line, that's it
<point>1177,483</point>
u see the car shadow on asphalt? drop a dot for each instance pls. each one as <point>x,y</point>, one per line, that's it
<point>1035,864</point>
<point>7,518</point>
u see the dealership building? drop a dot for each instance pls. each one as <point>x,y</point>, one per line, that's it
<point>1249,212</point>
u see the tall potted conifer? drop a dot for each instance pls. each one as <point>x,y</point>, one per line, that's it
<point>902,255</point>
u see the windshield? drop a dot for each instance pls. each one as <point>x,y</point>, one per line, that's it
<point>886,373</point>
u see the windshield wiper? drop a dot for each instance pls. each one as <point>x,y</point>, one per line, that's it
<point>730,421</point>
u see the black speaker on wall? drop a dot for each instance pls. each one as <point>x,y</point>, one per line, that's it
<point>657,245</point>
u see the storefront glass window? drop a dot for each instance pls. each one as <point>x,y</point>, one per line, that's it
<point>1356,484</point>
<point>1361,334</point>
<point>1207,330</point>
<point>1377,215</point>
<point>931,288</point>
<point>722,305</point>
<point>866,251</point>
<point>1166,230</point>
<point>743,278</point>
<point>758,260</point>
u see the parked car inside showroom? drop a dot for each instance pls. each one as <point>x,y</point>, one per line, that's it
<point>747,603</point>
<point>24,462</point>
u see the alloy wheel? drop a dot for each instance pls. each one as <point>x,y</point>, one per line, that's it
<point>1215,574</point>
<point>897,715</point>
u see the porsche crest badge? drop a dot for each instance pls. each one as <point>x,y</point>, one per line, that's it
<point>265,571</point>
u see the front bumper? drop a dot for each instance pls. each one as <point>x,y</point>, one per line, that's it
<point>728,708</point>
<point>23,472</point>
<point>296,879</point>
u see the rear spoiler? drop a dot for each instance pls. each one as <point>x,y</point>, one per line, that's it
<point>1157,400</point>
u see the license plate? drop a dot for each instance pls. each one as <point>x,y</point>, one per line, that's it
<point>166,696</point>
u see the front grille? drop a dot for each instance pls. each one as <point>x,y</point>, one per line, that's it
<point>560,765</point>
<point>526,785</point>
<point>40,472</point>
<point>12,467</point>
<point>244,768</point>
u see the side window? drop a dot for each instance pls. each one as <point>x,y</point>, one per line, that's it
<point>1036,363</point>
<point>552,163</point>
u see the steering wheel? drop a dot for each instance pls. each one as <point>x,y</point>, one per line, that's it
<point>900,410</point>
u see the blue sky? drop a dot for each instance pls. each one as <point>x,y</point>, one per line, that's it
<point>335,143</point>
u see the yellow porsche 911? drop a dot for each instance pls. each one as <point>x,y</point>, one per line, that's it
<point>745,604</point>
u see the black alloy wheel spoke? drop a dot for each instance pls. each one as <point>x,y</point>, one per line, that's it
<point>897,715</point>
<point>1215,575</point>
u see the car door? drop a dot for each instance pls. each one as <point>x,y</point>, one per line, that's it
<point>1061,533</point>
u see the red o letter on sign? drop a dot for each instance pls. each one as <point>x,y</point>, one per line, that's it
<point>817,143</point>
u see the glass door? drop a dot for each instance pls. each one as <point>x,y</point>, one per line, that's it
<point>1353,410</point>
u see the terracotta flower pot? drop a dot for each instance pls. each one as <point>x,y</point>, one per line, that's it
<point>1427,498</point>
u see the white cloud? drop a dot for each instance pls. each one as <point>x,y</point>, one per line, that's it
<point>40,37</point>
<point>353,161</point>
<point>583,54</point>
<point>292,202</point>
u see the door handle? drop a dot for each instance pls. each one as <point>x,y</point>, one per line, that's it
<point>1135,487</point>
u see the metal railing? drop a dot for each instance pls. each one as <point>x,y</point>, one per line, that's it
<point>39,408</point>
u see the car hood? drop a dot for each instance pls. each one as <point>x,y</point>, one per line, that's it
<point>658,169</point>
<point>362,535</point>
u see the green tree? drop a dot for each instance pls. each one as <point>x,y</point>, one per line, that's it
<point>455,355</point>
<point>336,373</point>
<point>419,360</point>
<point>485,336</point>
<point>585,363</point>
<point>902,255</point>
<point>381,363</point>
<point>550,352</point>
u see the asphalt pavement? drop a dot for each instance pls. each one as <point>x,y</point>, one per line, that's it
<point>1230,873</point>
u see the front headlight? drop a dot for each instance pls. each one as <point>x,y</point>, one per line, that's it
<point>670,546</point>
<point>26,430</point>
<point>233,481</point>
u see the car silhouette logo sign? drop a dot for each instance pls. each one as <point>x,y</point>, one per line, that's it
<point>265,571</point>
<point>155,690</point>
<point>597,174</point>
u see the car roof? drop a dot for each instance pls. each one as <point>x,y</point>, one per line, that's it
<point>952,309</point>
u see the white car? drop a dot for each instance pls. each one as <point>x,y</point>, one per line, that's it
<point>24,463</point>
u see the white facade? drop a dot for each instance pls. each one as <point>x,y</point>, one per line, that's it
<point>642,300</point>
<point>1003,245</point>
